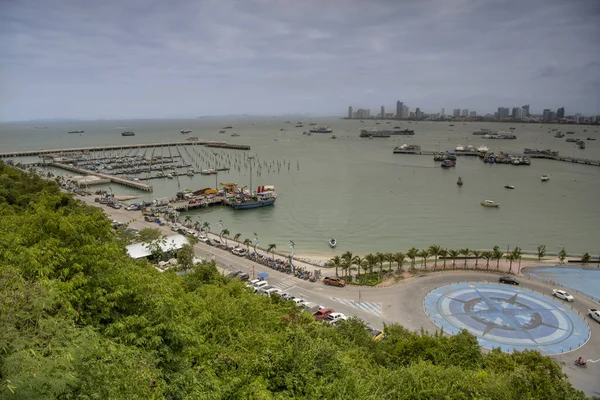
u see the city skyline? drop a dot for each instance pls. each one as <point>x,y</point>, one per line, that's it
<point>150,59</point>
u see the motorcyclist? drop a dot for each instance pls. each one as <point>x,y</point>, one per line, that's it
<point>580,361</point>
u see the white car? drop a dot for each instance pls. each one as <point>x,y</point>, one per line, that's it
<point>299,302</point>
<point>262,289</point>
<point>335,317</point>
<point>271,291</point>
<point>594,314</point>
<point>561,294</point>
<point>256,283</point>
<point>238,251</point>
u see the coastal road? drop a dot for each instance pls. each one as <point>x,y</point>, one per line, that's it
<point>401,303</point>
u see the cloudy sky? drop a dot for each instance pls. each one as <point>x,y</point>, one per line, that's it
<point>155,59</point>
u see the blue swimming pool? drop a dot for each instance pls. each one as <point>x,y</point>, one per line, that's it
<point>584,280</point>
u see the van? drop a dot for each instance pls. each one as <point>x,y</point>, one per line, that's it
<point>310,307</point>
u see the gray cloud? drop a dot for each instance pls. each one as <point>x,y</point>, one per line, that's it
<point>145,58</point>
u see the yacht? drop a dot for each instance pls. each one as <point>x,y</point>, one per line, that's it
<point>490,203</point>
<point>460,148</point>
<point>509,186</point>
<point>483,148</point>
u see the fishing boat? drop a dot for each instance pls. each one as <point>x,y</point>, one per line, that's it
<point>264,196</point>
<point>590,138</point>
<point>235,134</point>
<point>545,178</point>
<point>190,172</point>
<point>459,182</point>
<point>509,186</point>
<point>193,138</point>
<point>448,164</point>
<point>222,131</point>
<point>332,243</point>
<point>490,203</point>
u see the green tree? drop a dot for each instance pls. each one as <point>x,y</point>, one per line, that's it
<point>497,255</point>
<point>412,254</point>
<point>187,221</point>
<point>465,253</point>
<point>347,262</point>
<point>399,259</point>
<point>541,251</point>
<point>236,237</point>
<point>477,255</point>
<point>586,258</point>
<point>336,262</point>
<point>380,257</point>
<point>206,226</point>
<point>270,248</point>
<point>357,260</point>
<point>389,257</point>
<point>156,248</point>
<point>247,242</point>
<point>225,233</point>
<point>454,255</point>
<point>487,255</point>
<point>444,254</point>
<point>423,254</point>
<point>562,255</point>
<point>371,260</point>
<point>185,257</point>
<point>434,250</point>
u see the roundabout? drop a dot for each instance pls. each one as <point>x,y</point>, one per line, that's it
<point>510,318</point>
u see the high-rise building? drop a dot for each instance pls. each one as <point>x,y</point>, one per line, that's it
<point>546,115</point>
<point>456,112</point>
<point>560,113</point>
<point>465,112</point>
<point>418,113</point>
<point>350,115</point>
<point>526,108</point>
<point>503,112</point>
<point>472,113</point>
<point>443,113</point>
<point>398,109</point>
<point>404,111</point>
<point>516,112</point>
<point>524,112</point>
<point>382,112</point>
<point>363,114</point>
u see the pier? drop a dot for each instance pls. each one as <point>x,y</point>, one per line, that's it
<point>49,152</point>
<point>112,178</point>
<point>574,160</point>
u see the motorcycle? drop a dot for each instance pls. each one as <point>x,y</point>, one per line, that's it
<point>582,364</point>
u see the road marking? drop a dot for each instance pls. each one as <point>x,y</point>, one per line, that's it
<point>368,306</point>
<point>287,283</point>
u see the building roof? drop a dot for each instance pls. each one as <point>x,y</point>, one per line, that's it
<point>140,250</point>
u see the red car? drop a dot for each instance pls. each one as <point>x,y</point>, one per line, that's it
<point>323,313</point>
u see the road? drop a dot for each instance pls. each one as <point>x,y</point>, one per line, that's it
<point>401,303</point>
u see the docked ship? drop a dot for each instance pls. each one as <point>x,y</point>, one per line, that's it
<point>127,133</point>
<point>264,196</point>
<point>75,132</point>
<point>373,133</point>
<point>322,130</point>
<point>188,130</point>
<point>407,149</point>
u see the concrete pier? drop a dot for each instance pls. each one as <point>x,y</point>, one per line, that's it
<point>112,178</point>
<point>47,152</point>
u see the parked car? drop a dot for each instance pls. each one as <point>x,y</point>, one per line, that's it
<point>594,314</point>
<point>334,281</point>
<point>271,292</point>
<point>376,334</point>
<point>561,294</point>
<point>256,283</point>
<point>310,307</point>
<point>335,317</point>
<point>299,302</point>
<point>323,313</point>
<point>508,280</point>
<point>260,289</point>
<point>286,296</point>
<point>238,251</point>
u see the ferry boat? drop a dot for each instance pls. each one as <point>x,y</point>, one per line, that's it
<point>127,133</point>
<point>322,130</point>
<point>75,132</point>
<point>490,203</point>
<point>188,130</point>
<point>264,196</point>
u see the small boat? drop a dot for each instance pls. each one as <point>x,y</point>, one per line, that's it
<point>509,186</point>
<point>334,137</point>
<point>188,130</point>
<point>190,172</point>
<point>75,132</point>
<point>222,131</point>
<point>545,178</point>
<point>590,138</point>
<point>332,243</point>
<point>490,203</point>
<point>169,176</point>
<point>127,133</point>
<point>448,164</point>
<point>235,134</point>
<point>227,127</point>
<point>459,182</point>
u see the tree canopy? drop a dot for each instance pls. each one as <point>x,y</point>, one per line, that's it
<point>80,319</point>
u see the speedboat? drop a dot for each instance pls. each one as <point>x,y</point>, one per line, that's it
<point>448,164</point>
<point>332,243</point>
<point>490,203</point>
<point>460,181</point>
<point>169,176</point>
<point>334,137</point>
<point>509,186</point>
<point>545,178</point>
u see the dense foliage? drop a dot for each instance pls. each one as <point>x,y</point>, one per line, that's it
<point>80,319</point>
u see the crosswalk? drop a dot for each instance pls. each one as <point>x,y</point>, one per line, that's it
<point>286,283</point>
<point>372,307</point>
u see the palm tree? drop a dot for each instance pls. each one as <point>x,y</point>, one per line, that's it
<point>389,257</point>
<point>586,258</point>
<point>497,255</point>
<point>347,262</point>
<point>541,251</point>
<point>434,250</point>
<point>206,226</point>
<point>517,254</point>
<point>424,254</point>
<point>488,256</point>
<point>358,261</point>
<point>412,254</point>
<point>336,262</point>
<point>236,237</point>
<point>444,254</point>
<point>271,247</point>
<point>476,254</point>
<point>247,242</point>
<point>225,232</point>
<point>197,226</point>
<point>187,220</point>
<point>509,257</point>
<point>453,254</point>
<point>465,252</point>
<point>562,255</point>
<point>371,261</point>
<point>380,259</point>
<point>399,258</point>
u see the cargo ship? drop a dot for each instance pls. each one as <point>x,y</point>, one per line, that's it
<point>322,130</point>
<point>373,133</point>
<point>127,133</point>
<point>264,196</point>
<point>386,132</point>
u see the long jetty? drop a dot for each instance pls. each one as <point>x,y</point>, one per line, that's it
<point>48,152</point>
<point>112,178</point>
<point>574,160</point>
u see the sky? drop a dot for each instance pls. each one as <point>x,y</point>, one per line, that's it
<point>88,59</point>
